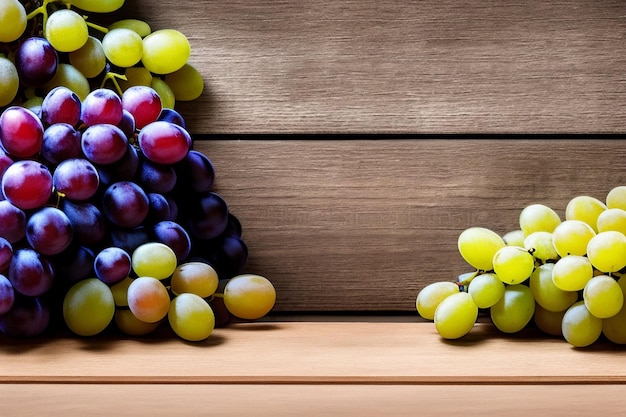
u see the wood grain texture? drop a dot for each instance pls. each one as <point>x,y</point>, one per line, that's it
<point>402,66</point>
<point>360,225</point>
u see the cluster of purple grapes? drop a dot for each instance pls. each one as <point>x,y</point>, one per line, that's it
<point>86,182</point>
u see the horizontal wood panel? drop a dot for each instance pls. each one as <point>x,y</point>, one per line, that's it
<point>355,225</point>
<point>402,66</point>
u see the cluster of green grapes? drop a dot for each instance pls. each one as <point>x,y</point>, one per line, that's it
<point>49,43</point>
<point>565,276</point>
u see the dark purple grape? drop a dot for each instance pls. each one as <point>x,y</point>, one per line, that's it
<point>102,106</point>
<point>122,170</point>
<point>60,142</point>
<point>12,222</point>
<point>112,265</point>
<point>175,236</point>
<point>30,272</point>
<point>28,317</point>
<point>172,116</point>
<point>195,172</point>
<point>127,124</point>
<point>159,208</point>
<point>125,204</point>
<point>5,162</point>
<point>156,178</point>
<point>74,264</point>
<point>233,228</point>
<point>76,178</point>
<point>61,105</point>
<point>36,61</point>
<point>7,294</point>
<point>87,221</point>
<point>228,255</point>
<point>49,231</point>
<point>208,217</point>
<point>104,144</point>
<point>6,253</point>
<point>129,239</point>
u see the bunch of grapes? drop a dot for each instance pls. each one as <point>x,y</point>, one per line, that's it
<point>565,276</point>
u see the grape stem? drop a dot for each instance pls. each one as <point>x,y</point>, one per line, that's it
<point>469,279</point>
<point>113,77</point>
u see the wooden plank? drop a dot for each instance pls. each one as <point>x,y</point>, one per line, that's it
<point>314,353</point>
<point>402,66</point>
<point>315,400</point>
<point>356,225</point>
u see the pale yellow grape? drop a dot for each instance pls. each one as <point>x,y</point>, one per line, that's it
<point>478,245</point>
<point>432,295</point>
<point>154,259</point>
<point>546,293</point>
<point>513,264</point>
<point>66,30</point>
<point>585,208</point>
<point>33,103</point>
<point>249,296</point>
<point>136,76</point>
<point>580,328</point>
<point>98,6</point>
<point>548,321</point>
<point>607,251</point>
<point>514,310</point>
<point>165,51</point>
<point>148,299</point>
<point>603,296</point>
<point>166,94</point>
<point>572,272</point>
<point>486,290</point>
<point>612,219</point>
<point>540,245</point>
<point>128,324</point>
<point>70,77</point>
<point>12,20</point>
<point>120,292</point>
<point>514,238</point>
<point>571,237</point>
<point>538,218</point>
<point>90,59</point>
<point>455,316</point>
<point>140,27</point>
<point>88,307</point>
<point>616,197</point>
<point>9,81</point>
<point>123,47</point>
<point>614,328</point>
<point>186,83</point>
<point>194,277</point>
<point>191,317</point>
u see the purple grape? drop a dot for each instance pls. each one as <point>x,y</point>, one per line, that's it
<point>122,170</point>
<point>7,295</point>
<point>28,317</point>
<point>125,204</point>
<point>129,239</point>
<point>172,116</point>
<point>76,178</point>
<point>143,103</point>
<point>49,231</point>
<point>127,124</point>
<point>60,142</point>
<point>164,142</point>
<point>101,106</point>
<point>228,254</point>
<point>112,265</point>
<point>208,217</point>
<point>61,105</point>
<point>21,132</point>
<point>156,178</point>
<point>5,162</point>
<point>74,264</point>
<point>36,61</point>
<point>104,143</point>
<point>12,222</point>
<point>30,272</point>
<point>27,184</point>
<point>159,208</point>
<point>196,172</point>
<point>87,221</point>
<point>175,236</point>
<point>6,253</point>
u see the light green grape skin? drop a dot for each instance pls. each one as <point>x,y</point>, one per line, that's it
<point>541,247</point>
<point>614,328</point>
<point>123,47</point>
<point>607,251</point>
<point>478,245</point>
<point>616,197</point>
<point>136,76</point>
<point>486,290</point>
<point>603,296</point>
<point>168,100</point>
<point>515,310</point>
<point>90,59</point>
<point>165,51</point>
<point>455,316</point>
<point>571,237</point>
<point>514,238</point>
<point>572,272</point>
<point>249,296</point>
<point>538,218</point>
<point>186,83</point>
<point>12,20</point>
<point>513,265</point>
<point>586,209</point>
<point>194,277</point>
<point>140,27</point>
<point>548,321</point>
<point>612,219</point>
<point>154,259</point>
<point>98,6</point>
<point>432,295</point>
<point>9,81</point>
<point>88,307</point>
<point>120,292</point>
<point>66,30</point>
<point>580,328</point>
<point>191,317</point>
<point>128,324</point>
<point>70,77</point>
<point>546,293</point>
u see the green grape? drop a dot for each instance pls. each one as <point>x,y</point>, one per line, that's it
<point>548,321</point>
<point>546,293</point>
<point>538,218</point>
<point>540,245</point>
<point>140,27</point>
<point>186,83</point>
<point>155,260</point>
<point>168,100</point>
<point>123,47</point>
<point>90,59</point>
<point>128,324</point>
<point>486,290</point>
<point>120,292</point>
<point>194,277</point>
<point>136,76</point>
<point>607,251</point>
<point>66,30</point>
<point>586,209</point>
<point>12,20</point>
<point>478,245</point>
<point>456,315</point>
<point>514,238</point>
<point>612,219</point>
<point>249,296</point>
<point>572,272</point>
<point>165,51</point>
<point>580,328</point>
<point>514,310</point>
<point>603,296</point>
<point>616,197</point>
<point>614,328</point>
<point>9,81</point>
<point>191,317</point>
<point>33,103</point>
<point>148,299</point>
<point>70,77</point>
<point>432,295</point>
<point>88,307</point>
<point>97,6</point>
<point>513,264</point>
<point>572,237</point>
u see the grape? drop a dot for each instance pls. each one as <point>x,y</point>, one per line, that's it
<point>607,251</point>
<point>140,27</point>
<point>49,231</point>
<point>172,116</point>
<point>191,317</point>
<point>514,238</point>
<point>74,263</point>
<point>129,239</point>
<point>157,178</point>
<point>612,219</point>
<point>168,99</point>
<point>30,273</point>
<point>196,172</point>
<point>603,296</point>
<point>227,254</point>
<point>128,324</point>
<point>143,103</point>
<point>122,47</point>
<point>614,327</point>
<point>7,295</point>
<point>36,61</point>
<point>125,204</point>
<point>580,328</point>
<point>124,169</point>
<point>148,299</point>
<point>164,142</point>
<point>101,106</point>
<point>514,310</point>
<point>194,277</point>
<point>12,20</point>
<point>546,293</point>
<point>165,51</point>
<point>88,222</point>
<point>66,30</point>
<point>88,307</point>
<point>586,209</point>
<point>120,291</point>
<point>6,253</point>
<point>28,317</point>
<point>76,178</point>
<point>155,260</point>
<point>616,197</point>
<point>538,218</point>
<point>572,272</point>
<point>548,321</point>
<point>70,77</point>
<point>540,245</point>
<point>454,317</point>
<point>60,142</point>
<point>127,124</point>
<point>486,290</point>
<point>104,144</point>
<point>136,76</point>
<point>572,237</point>
<point>21,132</point>
<point>90,58</point>
<point>478,245</point>
<point>12,222</point>
<point>208,218</point>
<point>112,265</point>
<point>9,79</point>
<point>186,83</point>
<point>158,209</point>
<point>174,236</point>
<point>513,264</point>
<point>27,184</point>
<point>98,6</point>
<point>61,105</point>
<point>249,296</point>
